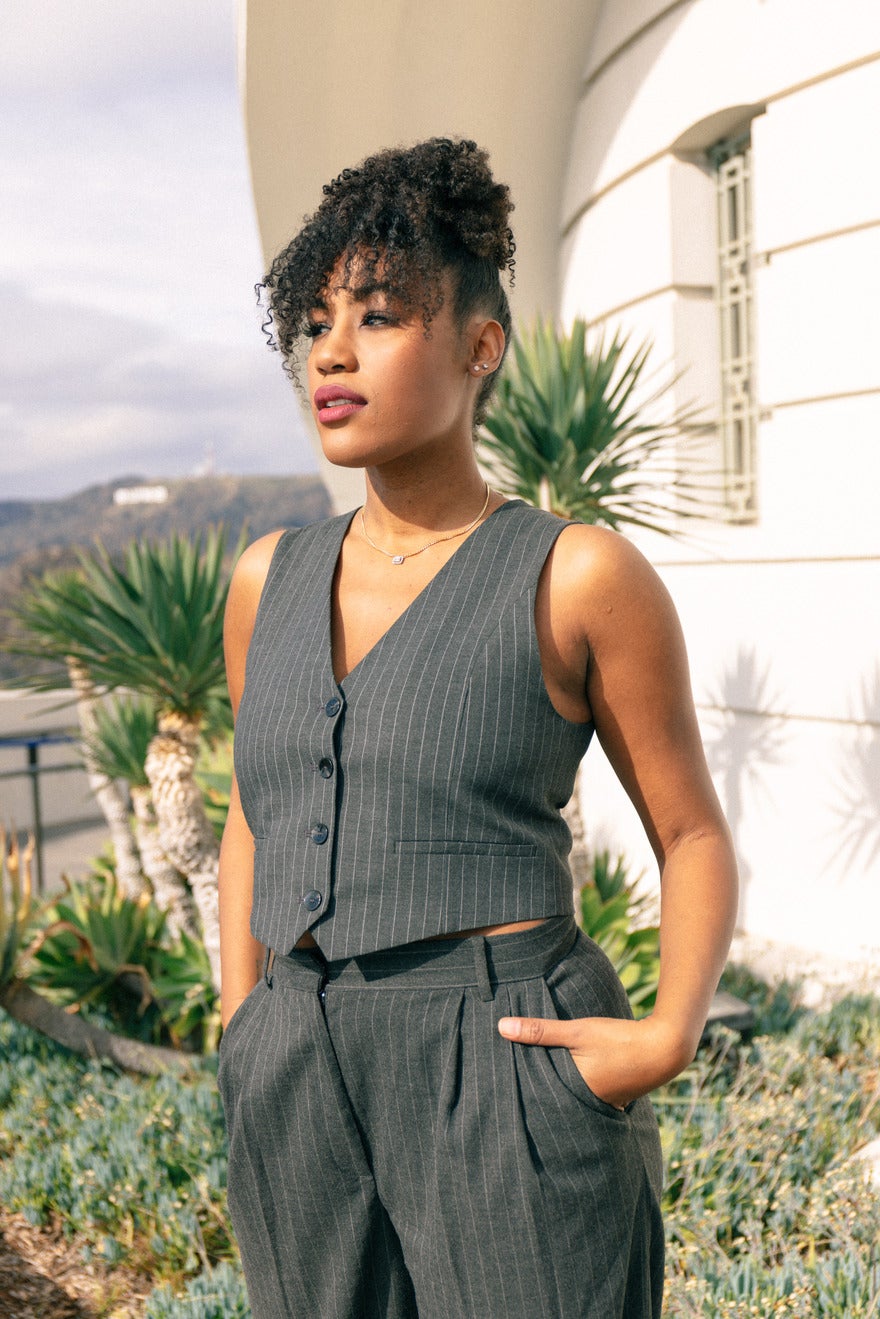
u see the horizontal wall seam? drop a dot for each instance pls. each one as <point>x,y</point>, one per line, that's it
<point>609,187</point>
<point>768,253</point>
<point>647,161</point>
<point>871,58</point>
<point>705,291</point>
<point>632,40</point>
<point>799,560</point>
<point>870,392</point>
<point>788,717</point>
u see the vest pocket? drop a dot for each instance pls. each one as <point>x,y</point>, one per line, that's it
<point>456,847</point>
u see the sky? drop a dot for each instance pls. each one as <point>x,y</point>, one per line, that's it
<point>130,343</point>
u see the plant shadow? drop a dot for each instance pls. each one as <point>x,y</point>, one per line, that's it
<point>856,806</point>
<point>744,742</point>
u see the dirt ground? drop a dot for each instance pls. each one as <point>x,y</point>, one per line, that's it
<point>42,1276</point>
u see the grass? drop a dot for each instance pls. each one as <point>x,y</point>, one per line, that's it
<point>767,1215</point>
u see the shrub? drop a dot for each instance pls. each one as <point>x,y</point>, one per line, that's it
<point>102,950</point>
<point>216,1294</point>
<point>136,1168</point>
<point>766,1213</point>
<point>613,912</point>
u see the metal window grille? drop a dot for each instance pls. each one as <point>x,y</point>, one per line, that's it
<point>739,414</point>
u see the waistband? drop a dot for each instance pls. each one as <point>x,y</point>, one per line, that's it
<point>474,961</point>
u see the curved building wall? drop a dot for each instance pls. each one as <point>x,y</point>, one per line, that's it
<point>782,608</point>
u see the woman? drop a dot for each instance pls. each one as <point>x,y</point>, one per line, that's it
<point>435,1091</point>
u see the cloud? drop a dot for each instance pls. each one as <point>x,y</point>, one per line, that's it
<point>129,338</point>
<point>89,395</point>
<point>90,50</point>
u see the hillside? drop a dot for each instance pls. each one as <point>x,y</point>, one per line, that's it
<point>36,535</point>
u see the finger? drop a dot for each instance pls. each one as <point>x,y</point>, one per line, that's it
<point>539,1030</point>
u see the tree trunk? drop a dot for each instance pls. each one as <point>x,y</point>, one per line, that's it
<point>108,794</point>
<point>185,833</point>
<point>171,893</point>
<point>69,1029</point>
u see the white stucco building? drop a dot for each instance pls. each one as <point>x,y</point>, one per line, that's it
<point>702,172</point>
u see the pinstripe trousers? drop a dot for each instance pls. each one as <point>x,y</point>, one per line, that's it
<point>392,1156</point>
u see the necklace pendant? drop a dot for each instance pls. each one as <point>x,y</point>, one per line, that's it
<point>398,558</point>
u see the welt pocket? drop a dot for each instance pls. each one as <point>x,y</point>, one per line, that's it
<point>456,847</point>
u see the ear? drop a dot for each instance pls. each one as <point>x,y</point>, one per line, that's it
<point>486,344</point>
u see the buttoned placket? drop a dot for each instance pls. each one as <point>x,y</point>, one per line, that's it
<point>320,828</point>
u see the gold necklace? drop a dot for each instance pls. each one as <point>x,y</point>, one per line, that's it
<point>401,558</point>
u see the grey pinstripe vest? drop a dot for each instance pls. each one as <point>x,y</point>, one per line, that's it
<point>421,795</point>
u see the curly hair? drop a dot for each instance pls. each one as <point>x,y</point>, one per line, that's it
<point>417,212</point>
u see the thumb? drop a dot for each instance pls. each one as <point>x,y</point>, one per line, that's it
<point>538,1030</point>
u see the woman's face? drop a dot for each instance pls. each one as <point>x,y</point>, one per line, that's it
<point>380,389</point>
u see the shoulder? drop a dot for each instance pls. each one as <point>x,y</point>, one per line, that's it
<point>601,579</point>
<point>252,568</point>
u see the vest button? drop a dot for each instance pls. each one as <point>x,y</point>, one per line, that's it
<point>325,767</point>
<point>312,900</point>
<point>333,706</point>
<point>319,833</point>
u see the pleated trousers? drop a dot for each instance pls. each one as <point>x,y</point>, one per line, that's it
<point>392,1156</point>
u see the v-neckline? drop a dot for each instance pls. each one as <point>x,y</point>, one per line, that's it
<point>418,599</point>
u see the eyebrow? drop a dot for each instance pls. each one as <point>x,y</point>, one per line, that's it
<point>359,292</point>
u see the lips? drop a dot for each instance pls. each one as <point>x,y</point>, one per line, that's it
<point>333,402</point>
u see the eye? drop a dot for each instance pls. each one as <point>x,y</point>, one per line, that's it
<point>378,318</point>
<point>315,328</point>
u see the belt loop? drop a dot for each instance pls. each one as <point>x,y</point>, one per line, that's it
<point>481,966</point>
<point>267,967</point>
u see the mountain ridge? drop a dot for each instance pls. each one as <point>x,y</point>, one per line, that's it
<point>38,536</point>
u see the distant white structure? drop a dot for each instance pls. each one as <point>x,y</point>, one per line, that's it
<point>702,172</point>
<point>140,494</point>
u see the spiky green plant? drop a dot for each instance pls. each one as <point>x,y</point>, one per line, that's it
<point>581,431</point>
<point>154,625</point>
<point>16,904</point>
<point>49,615</point>
<point>122,731</point>
<point>124,727</point>
<point>614,914</point>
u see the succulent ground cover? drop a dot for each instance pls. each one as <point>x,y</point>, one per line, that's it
<point>767,1213</point>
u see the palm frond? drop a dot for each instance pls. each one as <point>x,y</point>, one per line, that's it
<point>153,624</point>
<point>585,433</point>
<point>123,729</point>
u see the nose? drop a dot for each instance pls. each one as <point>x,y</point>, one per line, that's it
<point>333,351</point>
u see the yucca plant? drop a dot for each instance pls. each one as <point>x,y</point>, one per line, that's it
<point>21,941</point>
<point>50,616</point>
<point>614,914</point>
<point>16,904</point>
<point>99,949</point>
<point>582,432</point>
<point>124,727</point>
<point>154,625</point>
<point>93,938</point>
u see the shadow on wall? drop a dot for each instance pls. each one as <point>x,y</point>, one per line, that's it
<point>744,742</point>
<point>856,841</point>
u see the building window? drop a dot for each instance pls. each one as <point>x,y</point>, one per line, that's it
<point>731,161</point>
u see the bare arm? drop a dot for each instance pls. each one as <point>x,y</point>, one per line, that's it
<point>240,954</point>
<point>615,622</point>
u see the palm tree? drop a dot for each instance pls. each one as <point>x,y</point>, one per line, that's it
<point>154,625</point>
<point>582,432</point>
<point>47,614</point>
<point>123,730</point>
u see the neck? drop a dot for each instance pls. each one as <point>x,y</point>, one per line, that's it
<point>404,509</point>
